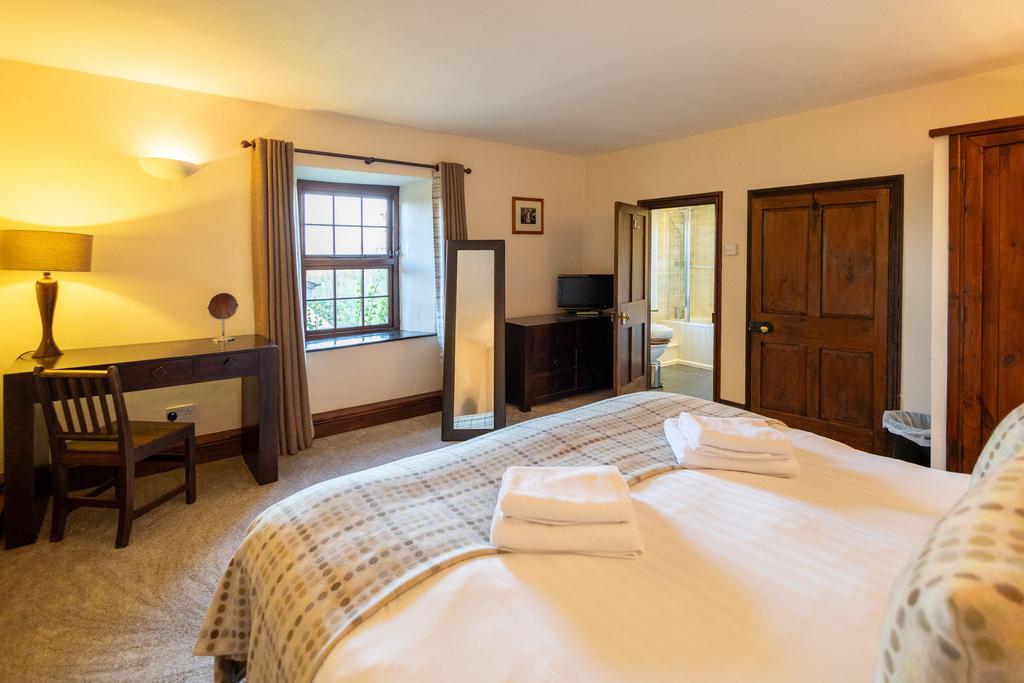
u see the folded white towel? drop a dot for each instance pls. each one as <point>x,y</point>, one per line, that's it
<point>606,540</point>
<point>698,458</point>
<point>740,434</point>
<point>565,495</point>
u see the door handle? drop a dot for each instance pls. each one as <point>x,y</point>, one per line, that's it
<point>760,327</point>
<point>623,317</point>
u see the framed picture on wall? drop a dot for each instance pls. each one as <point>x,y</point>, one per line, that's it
<point>527,216</point>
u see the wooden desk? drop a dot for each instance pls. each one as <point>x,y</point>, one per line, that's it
<point>142,366</point>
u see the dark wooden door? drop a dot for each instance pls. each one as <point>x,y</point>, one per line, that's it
<point>986,343</point>
<point>819,325</point>
<point>632,311</point>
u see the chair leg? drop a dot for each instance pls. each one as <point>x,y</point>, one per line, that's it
<point>59,477</point>
<point>126,498</point>
<point>190,468</point>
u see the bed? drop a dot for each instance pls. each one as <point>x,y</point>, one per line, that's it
<point>744,577</point>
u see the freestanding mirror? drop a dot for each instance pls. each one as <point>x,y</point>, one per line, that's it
<point>474,332</point>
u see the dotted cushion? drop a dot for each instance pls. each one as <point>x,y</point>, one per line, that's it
<point>1006,441</point>
<point>956,612</point>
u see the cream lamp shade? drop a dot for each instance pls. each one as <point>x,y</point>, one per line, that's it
<point>45,251</point>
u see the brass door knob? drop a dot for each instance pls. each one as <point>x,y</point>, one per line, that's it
<point>623,317</point>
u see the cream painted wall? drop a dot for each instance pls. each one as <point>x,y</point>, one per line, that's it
<point>70,143</point>
<point>878,136</point>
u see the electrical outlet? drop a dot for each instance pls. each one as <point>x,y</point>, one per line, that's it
<point>185,412</point>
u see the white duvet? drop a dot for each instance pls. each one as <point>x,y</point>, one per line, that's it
<point>744,578</point>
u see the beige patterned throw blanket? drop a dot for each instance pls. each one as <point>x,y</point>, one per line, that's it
<point>317,564</point>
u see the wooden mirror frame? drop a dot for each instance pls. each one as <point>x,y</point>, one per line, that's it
<point>454,248</point>
<point>222,306</point>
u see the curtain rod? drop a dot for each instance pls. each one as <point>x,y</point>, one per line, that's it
<point>366,160</point>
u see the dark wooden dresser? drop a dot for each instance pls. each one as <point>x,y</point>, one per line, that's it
<point>551,356</point>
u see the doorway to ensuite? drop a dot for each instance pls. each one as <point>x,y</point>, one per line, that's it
<point>685,283</point>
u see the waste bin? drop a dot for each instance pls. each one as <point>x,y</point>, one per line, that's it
<point>909,436</point>
<point>656,375</point>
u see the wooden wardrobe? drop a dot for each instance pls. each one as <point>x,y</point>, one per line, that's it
<point>986,282</point>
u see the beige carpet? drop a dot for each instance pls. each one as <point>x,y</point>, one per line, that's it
<point>81,610</point>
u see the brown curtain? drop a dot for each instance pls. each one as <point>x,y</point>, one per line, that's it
<point>276,293</point>
<point>449,199</point>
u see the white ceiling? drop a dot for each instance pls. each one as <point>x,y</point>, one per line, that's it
<point>578,76</point>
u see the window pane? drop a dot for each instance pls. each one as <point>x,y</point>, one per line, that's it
<point>375,240</point>
<point>346,211</point>
<point>350,283</point>
<point>318,239</point>
<point>377,310</point>
<point>318,208</point>
<point>375,211</point>
<point>350,313</point>
<point>376,282</point>
<point>319,315</point>
<point>319,284</point>
<point>346,241</point>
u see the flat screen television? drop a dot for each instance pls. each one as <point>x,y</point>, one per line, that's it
<point>585,292</point>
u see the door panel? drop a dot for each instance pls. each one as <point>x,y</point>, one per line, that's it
<point>781,362</point>
<point>632,268</point>
<point>986,275</point>
<point>819,310</point>
<point>848,266</point>
<point>784,260</point>
<point>846,387</point>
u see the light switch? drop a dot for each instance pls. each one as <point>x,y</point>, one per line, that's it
<point>732,249</point>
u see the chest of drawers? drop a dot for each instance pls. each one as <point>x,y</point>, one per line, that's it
<point>551,356</point>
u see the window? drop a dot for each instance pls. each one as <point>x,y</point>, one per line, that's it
<point>349,240</point>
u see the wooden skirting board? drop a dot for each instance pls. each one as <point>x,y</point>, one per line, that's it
<point>371,414</point>
<point>228,444</point>
<point>734,404</point>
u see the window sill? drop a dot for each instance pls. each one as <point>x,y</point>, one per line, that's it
<point>349,340</point>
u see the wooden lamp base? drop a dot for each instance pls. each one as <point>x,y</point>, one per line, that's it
<point>46,297</point>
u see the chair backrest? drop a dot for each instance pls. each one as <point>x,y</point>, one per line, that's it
<point>83,405</point>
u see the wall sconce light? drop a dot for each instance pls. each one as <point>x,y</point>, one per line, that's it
<point>167,169</point>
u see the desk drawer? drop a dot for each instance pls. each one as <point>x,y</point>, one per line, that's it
<point>595,376</point>
<point>547,338</point>
<point>591,355</point>
<point>556,359</point>
<point>229,365</point>
<point>552,383</point>
<point>149,374</point>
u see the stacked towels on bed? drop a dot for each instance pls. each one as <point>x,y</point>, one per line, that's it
<point>745,444</point>
<point>582,510</point>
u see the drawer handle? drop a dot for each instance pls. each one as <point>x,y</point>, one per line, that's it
<point>230,363</point>
<point>159,372</point>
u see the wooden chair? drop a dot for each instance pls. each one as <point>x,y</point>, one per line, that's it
<point>93,429</point>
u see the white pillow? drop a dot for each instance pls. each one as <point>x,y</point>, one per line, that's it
<point>956,612</point>
<point>1006,441</point>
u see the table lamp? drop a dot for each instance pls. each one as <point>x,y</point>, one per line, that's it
<point>46,251</point>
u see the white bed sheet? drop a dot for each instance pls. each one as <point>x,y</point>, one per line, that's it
<point>744,578</point>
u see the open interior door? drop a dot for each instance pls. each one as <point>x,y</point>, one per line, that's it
<point>632,310</point>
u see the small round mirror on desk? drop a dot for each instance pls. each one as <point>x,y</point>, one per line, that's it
<point>222,306</point>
